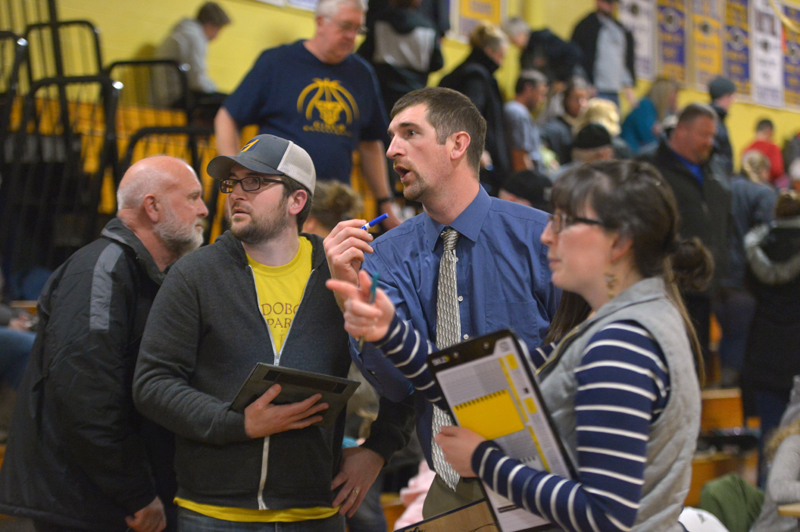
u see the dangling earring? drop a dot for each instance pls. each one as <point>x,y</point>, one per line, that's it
<point>611,283</point>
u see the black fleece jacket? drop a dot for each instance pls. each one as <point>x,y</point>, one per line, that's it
<point>705,210</point>
<point>475,79</point>
<point>79,455</point>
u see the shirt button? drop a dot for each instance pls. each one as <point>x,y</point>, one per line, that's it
<point>466,337</point>
<point>461,298</point>
<point>372,372</point>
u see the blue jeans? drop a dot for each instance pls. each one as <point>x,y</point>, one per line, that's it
<point>734,310</point>
<point>189,521</point>
<point>15,348</point>
<point>770,407</point>
<point>369,516</point>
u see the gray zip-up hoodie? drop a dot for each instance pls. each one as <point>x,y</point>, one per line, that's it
<point>204,335</point>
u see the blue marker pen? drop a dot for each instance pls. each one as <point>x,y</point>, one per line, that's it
<point>375,222</point>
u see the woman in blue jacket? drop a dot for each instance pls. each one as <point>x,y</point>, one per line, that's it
<point>643,125</point>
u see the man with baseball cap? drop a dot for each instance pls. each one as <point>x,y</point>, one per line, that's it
<point>256,295</point>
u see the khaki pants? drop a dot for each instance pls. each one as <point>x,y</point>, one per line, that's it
<point>441,499</point>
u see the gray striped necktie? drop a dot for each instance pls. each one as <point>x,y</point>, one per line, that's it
<point>448,332</point>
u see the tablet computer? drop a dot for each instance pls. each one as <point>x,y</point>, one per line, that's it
<point>296,385</point>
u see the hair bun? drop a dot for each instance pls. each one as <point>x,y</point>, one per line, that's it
<point>692,265</point>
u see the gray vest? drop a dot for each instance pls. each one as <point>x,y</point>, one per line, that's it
<point>673,437</point>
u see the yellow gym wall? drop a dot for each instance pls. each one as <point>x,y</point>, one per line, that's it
<point>133,28</point>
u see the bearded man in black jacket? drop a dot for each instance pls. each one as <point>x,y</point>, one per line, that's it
<point>703,196</point>
<point>79,456</point>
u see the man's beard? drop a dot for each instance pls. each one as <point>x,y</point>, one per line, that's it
<point>263,227</point>
<point>180,239</point>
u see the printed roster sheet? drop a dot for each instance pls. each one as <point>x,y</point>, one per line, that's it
<point>490,389</point>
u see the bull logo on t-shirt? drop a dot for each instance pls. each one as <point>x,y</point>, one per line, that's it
<point>328,106</point>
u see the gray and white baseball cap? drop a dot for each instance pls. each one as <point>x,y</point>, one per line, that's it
<point>271,155</point>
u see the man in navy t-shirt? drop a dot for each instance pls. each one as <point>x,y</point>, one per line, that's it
<point>320,95</point>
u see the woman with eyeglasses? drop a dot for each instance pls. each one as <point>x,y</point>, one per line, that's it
<point>621,387</point>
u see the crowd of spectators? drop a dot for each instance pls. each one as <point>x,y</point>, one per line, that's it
<point>328,100</point>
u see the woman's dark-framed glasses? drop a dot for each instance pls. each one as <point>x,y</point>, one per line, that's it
<point>251,183</point>
<point>559,222</point>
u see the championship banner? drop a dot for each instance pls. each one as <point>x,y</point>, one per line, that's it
<point>639,17</point>
<point>672,39</point>
<point>736,62</point>
<point>707,37</point>
<point>308,5</point>
<point>791,60</point>
<point>472,12</point>
<point>766,59</point>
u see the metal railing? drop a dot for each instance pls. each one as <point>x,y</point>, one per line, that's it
<point>61,154</point>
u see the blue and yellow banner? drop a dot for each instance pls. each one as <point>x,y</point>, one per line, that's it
<point>766,54</point>
<point>707,38</point>
<point>639,17</point>
<point>672,39</point>
<point>736,60</point>
<point>472,12</point>
<point>791,60</point>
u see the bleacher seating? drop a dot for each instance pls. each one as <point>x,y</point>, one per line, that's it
<point>70,139</point>
<point>63,146</point>
<point>144,82</point>
<point>60,48</point>
<point>729,447</point>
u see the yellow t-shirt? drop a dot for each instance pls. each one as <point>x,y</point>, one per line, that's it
<point>280,290</point>
<point>249,515</point>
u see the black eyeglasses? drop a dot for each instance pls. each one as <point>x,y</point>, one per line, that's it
<point>559,222</point>
<point>250,183</point>
<point>350,27</point>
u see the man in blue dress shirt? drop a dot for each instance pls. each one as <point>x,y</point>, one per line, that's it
<point>502,273</point>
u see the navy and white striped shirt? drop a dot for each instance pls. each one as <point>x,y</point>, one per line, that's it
<point>623,385</point>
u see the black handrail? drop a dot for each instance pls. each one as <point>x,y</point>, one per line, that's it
<point>184,102</point>
<point>11,83</point>
<point>55,26</point>
<point>47,195</point>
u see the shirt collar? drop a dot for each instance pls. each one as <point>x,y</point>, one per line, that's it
<point>468,223</point>
<point>687,162</point>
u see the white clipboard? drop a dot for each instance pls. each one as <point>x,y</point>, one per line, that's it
<point>489,388</point>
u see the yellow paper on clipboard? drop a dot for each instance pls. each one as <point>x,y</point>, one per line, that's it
<point>491,416</point>
<point>489,388</point>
